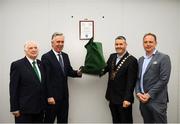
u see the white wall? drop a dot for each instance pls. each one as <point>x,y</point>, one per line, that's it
<point>21,20</point>
<point>179,63</point>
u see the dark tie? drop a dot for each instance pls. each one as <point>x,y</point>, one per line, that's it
<point>35,70</point>
<point>61,62</point>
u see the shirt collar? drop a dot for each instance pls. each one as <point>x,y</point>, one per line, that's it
<point>31,60</point>
<point>118,56</point>
<point>56,53</point>
<point>147,57</point>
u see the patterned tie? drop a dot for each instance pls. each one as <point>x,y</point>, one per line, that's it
<point>61,62</point>
<point>35,70</point>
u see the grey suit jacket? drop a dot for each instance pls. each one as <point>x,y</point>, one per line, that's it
<point>156,77</point>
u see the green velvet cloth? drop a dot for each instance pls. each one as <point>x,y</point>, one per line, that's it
<point>94,61</point>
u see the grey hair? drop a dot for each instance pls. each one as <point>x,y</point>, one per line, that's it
<point>56,34</point>
<point>28,43</point>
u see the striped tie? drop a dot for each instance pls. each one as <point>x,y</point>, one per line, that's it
<point>35,70</point>
<point>61,62</point>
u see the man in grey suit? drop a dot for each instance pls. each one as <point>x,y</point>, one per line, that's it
<point>151,87</point>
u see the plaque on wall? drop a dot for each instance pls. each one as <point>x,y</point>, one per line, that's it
<point>86,29</point>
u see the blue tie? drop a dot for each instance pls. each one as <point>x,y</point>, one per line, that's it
<point>61,62</point>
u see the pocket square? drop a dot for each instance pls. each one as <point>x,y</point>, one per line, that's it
<point>155,62</point>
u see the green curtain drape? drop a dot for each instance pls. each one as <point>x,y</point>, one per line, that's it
<point>94,61</point>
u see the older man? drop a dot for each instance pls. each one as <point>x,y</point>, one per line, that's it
<point>27,95</point>
<point>58,68</point>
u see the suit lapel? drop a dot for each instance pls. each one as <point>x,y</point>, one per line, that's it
<point>113,62</point>
<point>152,60</point>
<point>41,70</point>
<point>54,59</point>
<point>141,60</point>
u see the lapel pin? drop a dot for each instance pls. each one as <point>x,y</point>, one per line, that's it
<point>155,62</point>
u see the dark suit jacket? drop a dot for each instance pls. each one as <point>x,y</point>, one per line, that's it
<point>56,82</point>
<point>122,87</point>
<point>27,93</point>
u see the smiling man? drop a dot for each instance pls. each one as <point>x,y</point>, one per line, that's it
<point>27,87</point>
<point>151,86</point>
<point>122,68</point>
<point>58,68</point>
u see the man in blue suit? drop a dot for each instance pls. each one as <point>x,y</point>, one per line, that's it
<point>151,87</point>
<point>27,89</point>
<point>58,68</point>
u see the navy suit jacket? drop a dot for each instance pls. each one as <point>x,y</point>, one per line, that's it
<point>27,93</point>
<point>56,82</point>
<point>122,87</point>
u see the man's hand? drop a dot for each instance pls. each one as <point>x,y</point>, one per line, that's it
<point>79,72</point>
<point>144,98</point>
<point>51,101</point>
<point>126,104</point>
<point>147,96</point>
<point>102,73</point>
<point>16,113</point>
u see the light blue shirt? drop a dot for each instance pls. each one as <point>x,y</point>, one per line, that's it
<point>147,59</point>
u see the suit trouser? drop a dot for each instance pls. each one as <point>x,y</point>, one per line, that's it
<point>120,114</point>
<point>59,110</point>
<point>153,112</point>
<point>30,118</point>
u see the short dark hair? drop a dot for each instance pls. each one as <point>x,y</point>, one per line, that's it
<point>151,34</point>
<point>56,34</point>
<point>120,38</point>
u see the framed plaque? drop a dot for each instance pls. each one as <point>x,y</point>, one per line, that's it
<point>86,29</point>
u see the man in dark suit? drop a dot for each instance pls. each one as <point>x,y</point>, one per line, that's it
<point>122,68</point>
<point>58,68</point>
<point>151,86</point>
<point>27,89</point>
